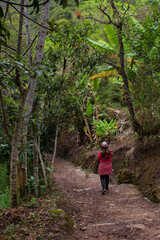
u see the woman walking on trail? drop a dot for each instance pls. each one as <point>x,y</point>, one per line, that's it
<point>105,166</point>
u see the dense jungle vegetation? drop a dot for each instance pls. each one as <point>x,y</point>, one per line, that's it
<point>62,67</point>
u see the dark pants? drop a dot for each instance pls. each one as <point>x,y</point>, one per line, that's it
<point>104,181</point>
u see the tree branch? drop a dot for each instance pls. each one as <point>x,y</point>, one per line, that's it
<point>32,19</point>
<point>7,9</point>
<point>23,5</point>
<point>97,20</point>
<point>10,47</point>
<point>110,21</point>
<point>30,44</point>
<point>113,65</point>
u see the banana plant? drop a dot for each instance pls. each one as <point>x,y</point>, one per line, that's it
<point>112,48</point>
<point>104,128</point>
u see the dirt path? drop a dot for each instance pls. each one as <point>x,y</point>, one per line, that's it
<point>122,213</point>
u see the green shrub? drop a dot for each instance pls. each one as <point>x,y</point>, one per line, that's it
<point>145,94</point>
<point>4,186</point>
<point>5,198</point>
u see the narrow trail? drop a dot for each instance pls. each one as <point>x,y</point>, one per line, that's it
<point>122,213</point>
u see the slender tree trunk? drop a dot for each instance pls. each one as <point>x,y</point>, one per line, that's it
<point>36,171</point>
<point>42,163</point>
<point>87,126</point>
<point>54,155</point>
<point>28,41</point>
<point>96,106</point>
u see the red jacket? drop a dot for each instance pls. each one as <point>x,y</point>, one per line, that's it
<point>105,166</point>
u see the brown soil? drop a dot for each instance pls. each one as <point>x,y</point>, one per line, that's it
<point>122,213</point>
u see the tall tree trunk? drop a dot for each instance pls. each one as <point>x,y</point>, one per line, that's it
<point>14,184</point>
<point>14,152</point>
<point>28,41</point>
<point>37,59</point>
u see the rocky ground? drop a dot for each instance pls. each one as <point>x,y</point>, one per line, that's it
<point>122,213</point>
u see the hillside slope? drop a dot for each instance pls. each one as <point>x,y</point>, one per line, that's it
<point>135,160</point>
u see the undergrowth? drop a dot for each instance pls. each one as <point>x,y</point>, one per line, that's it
<point>4,186</point>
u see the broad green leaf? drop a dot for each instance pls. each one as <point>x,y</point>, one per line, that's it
<point>104,128</point>
<point>102,45</point>
<point>111,34</point>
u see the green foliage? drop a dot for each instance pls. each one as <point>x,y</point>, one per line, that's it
<point>5,198</point>
<point>145,74</point>
<point>103,128</point>
<point>110,92</point>
<point>5,151</point>
<point>68,63</point>
<point>102,45</point>
<point>89,108</point>
<point>111,34</point>
<point>31,185</point>
<point>4,186</point>
<point>145,93</point>
<point>64,3</point>
<point>4,32</point>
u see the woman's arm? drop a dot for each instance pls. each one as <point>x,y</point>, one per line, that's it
<point>96,160</point>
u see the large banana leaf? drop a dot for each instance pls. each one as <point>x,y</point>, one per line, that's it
<point>102,45</point>
<point>111,34</point>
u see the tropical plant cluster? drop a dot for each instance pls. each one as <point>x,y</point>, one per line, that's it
<point>59,66</point>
